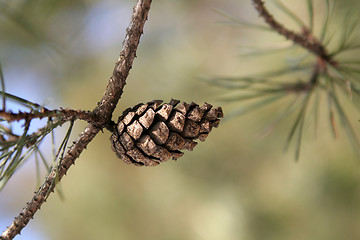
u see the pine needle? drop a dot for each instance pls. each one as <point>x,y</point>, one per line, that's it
<point>22,101</point>
<point>311,14</point>
<point>291,107</point>
<point>298,126</point>
<point>252,107</point>
<point>240,22</point>
<point>288,12</point>
<point>2,88</point>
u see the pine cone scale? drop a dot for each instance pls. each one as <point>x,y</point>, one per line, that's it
<point>191,129</point>
<point>176,122</point>
<point>183,108</point>
<point>175,142</point>
<point>164,112</point>
<point>135,130</point>
<point>159,133</point>
<point>147,145</point>
<point>147,119</point>
<point>126,141</point>
<point>127,119</point>
<point>162,154</point>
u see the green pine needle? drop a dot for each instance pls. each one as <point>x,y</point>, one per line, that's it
<point>316,79</point>
<point>2,79</point>
<point>288,12</point>
<point>311,14</point>
<point>17,151</point>
<point>298,126</point>
<point>21,101</point>
<point>240,22</point>
<point>242,110</point>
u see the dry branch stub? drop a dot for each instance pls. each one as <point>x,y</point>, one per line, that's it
<point>151,133</point>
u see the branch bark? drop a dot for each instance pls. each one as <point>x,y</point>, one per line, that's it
<point>64,114</point>
<point>310,43</point>
<point>103,112</point>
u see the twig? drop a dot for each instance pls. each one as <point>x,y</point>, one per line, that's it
<point>103,111</point>
<point>123,65</point>
<point>305,40</point>
<point>64,114</point>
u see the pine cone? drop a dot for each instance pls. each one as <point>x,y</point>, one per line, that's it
<point>148,134</point>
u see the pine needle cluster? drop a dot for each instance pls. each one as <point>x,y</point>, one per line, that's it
<point>322,60</point>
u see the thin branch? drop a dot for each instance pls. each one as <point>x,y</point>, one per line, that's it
<point>123,65</point>
<point>305,40</point>
<point>64,114</point>
<point>104,111</point>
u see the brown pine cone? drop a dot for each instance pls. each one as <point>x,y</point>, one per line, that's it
<point>148,134</point>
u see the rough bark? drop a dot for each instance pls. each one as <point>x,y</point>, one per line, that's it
<point>310,43</point>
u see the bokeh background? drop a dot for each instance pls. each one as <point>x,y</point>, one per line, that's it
<point>233,186</point>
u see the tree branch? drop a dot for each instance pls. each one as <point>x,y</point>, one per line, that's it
<point>103,111</point>
<point>123,65</point>
<point>64,114</point>
<point>304,40</point>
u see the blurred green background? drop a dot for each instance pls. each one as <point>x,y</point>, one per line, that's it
<point>233,186</point>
